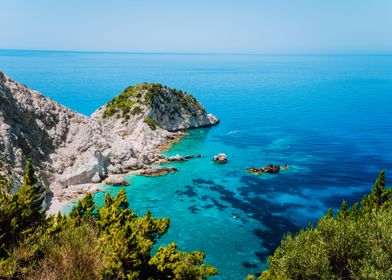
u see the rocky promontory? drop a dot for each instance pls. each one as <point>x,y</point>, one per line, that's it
<point>70,149</point>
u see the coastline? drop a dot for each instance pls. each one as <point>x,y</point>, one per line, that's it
<point>65,197</point>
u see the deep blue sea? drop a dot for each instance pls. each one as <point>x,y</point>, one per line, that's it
<point>328,117</point>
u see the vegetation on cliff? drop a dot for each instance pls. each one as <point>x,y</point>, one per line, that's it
<point>151,123</point>
<point>133,98</point>
<point>356,243</point>
<point>123,102</point>
<point>109,243</point>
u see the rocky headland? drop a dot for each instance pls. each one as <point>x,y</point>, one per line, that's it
<point>72,152</point>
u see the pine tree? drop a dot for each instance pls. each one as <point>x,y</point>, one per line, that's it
<point>29,174</point>
<point>343,211</point>
<point>6,215</point>
<point>121,200</point>
<point>377,196</point>
<point>354,210</point>
<point>28,202</point>
<point>329,213</point>
<point>21,213</point>
<point>84,208</point>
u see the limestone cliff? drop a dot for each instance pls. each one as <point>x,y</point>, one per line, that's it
<point>69,148</point>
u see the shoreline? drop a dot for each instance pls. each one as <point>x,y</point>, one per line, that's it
<point>65,197</point>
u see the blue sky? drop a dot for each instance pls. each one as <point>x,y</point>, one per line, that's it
<point>277,26</point>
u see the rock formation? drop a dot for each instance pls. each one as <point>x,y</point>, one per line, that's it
<point>69,148</point>
<point>179,158</point>
<point>220,158</point>
<point>157,171</point>
<point>269,168</point>
<point>116,180</point>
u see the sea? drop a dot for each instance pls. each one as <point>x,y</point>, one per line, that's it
<point>328,117</point>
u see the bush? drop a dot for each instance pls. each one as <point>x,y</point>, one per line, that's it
<point>151,123</point>
<point>136,110</point>
<point>74,254</point>
<point>121,104</point>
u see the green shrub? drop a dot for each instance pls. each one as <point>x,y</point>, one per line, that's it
<point>127,103</point>
<point>151,123</point>
<point>121,104</point>
<point>136,110</point>
<point>74,254</point>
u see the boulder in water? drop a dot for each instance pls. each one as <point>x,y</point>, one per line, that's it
<point>116,180</point>
<point>176,158</point>
<point>269,168</point>
<point>220,158</point>
<point>158,171</point>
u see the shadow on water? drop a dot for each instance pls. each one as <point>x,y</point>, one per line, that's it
<point>254,208</point>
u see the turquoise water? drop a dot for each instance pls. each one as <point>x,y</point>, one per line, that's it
<point>328,117</point>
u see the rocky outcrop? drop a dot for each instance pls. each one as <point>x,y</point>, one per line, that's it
<point>116,180</point>
<point>159,106</point>
<point>220,158</point>
<point>179,158</point>
<point>269,168</point>
<point>157,171</point>
<point>69,148</point>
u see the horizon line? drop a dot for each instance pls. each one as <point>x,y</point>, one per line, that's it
<point>294,53</point>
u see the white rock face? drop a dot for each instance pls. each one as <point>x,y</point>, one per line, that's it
<point>68,148</point>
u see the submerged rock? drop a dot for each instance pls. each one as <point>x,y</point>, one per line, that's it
<point>220,158</point>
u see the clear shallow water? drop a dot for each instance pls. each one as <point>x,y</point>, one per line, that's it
<point>328,117</point>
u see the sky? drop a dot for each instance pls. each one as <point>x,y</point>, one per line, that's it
<point>254,26</point>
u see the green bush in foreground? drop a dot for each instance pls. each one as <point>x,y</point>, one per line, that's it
<point>112,243</point>
<point>356,243</point>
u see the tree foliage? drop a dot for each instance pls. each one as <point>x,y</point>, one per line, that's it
<point>112,242</point>
<point>354,244</point>
<point>20,214</point>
